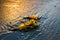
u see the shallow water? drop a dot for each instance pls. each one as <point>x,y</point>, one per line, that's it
<point>48,30</point>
